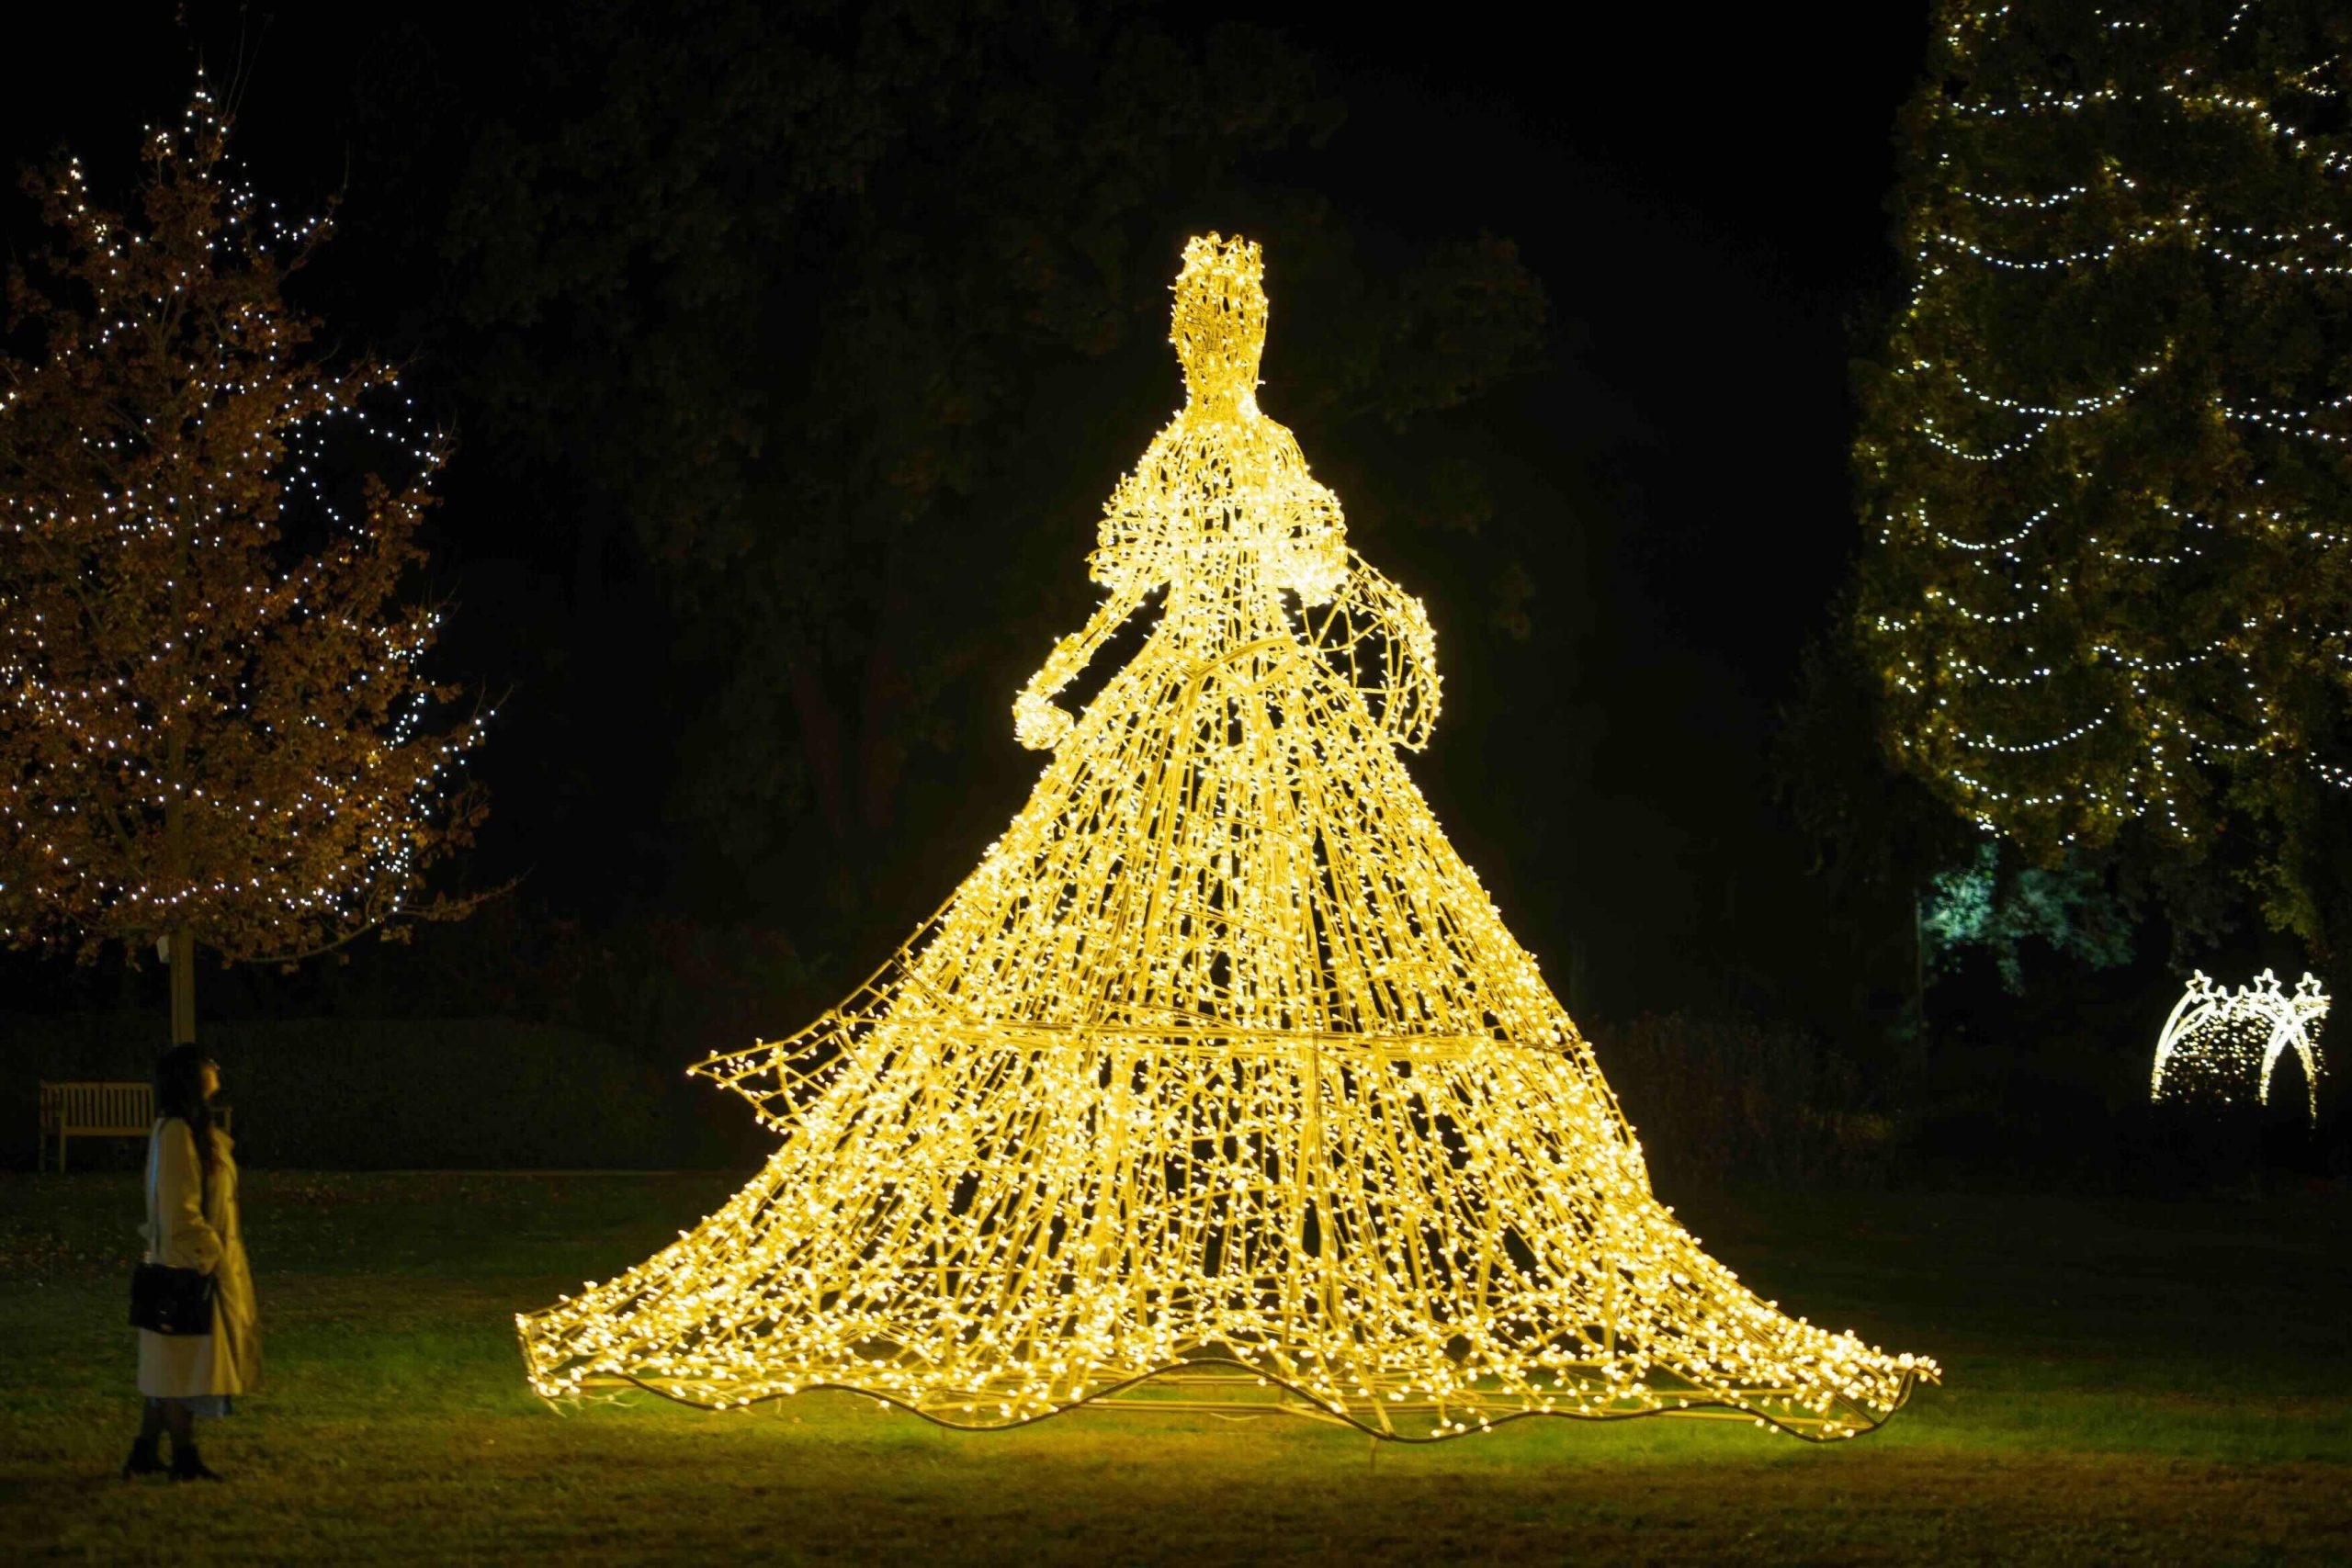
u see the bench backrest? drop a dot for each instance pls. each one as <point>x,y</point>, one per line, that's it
<point>120,1107</point>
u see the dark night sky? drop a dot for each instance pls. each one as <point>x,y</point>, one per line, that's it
<point>1703,196</point>
<point>1705,204</point>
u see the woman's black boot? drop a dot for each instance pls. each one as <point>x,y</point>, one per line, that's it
<point>188,1465</point>
<point>144,1460</point>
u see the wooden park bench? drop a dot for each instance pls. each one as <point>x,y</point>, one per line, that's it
<point>100,1110</point>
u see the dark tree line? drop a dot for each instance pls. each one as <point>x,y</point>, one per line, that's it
<point>789,351</point>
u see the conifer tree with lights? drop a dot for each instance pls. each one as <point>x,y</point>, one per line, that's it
<point>2104,461</point>
<point>215,730</point>
<point>1220,1083</point>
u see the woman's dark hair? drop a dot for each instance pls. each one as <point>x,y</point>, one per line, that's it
<point>179,1091</point>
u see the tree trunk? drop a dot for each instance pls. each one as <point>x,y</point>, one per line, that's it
<point>820,736</point>
<point>177,856</point>
<point>882,750</point>
<point>1919,961</point>
<point>183,966</point>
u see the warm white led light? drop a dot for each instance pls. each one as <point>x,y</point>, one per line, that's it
<point>2218,1042</point>
<point>208,729</point>
<point>1221,1070</point>
<point>2069,599</point>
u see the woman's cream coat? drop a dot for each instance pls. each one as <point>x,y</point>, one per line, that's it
<point>227,1360</point>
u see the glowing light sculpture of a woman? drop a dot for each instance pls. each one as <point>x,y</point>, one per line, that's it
<point>1220,1083</point>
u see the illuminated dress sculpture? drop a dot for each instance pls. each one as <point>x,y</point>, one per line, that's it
<point>1221,1071</point>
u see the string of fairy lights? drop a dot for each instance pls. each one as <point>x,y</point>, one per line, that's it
<point>2030,535</point>
<point>2182,91</point>
<point>215,728</point>
<point>1220,1084</point>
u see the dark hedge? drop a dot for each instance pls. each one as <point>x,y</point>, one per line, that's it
<point>391,1094</point>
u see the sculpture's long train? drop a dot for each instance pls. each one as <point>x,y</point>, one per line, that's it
<point>991,1228</point>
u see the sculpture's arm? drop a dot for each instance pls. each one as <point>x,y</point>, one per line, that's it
<point>1037,723</point>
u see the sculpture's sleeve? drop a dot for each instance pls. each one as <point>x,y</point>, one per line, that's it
<point>1379,639</point>
<point>1037,722</point>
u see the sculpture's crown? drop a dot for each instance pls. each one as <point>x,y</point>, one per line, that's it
<point>1220,327</point>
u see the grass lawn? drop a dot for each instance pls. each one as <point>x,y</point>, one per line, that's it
<point>2124,1381</point>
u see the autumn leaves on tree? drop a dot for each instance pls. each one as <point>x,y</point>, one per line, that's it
<point>214,727</point>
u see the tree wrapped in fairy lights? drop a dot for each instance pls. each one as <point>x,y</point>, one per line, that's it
<point>2106,454</point>
<point>215,728</point>
<point>1220,1083</point>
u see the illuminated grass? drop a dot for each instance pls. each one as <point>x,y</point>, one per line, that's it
<point>2135,1381</point>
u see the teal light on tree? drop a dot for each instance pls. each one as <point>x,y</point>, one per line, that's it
<point>2104,461</point>
<point>1975,906</point>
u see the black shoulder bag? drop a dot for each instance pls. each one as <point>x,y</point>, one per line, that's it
<point>171,1300</point>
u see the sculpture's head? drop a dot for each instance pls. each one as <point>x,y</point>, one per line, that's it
<point>1220,328</point>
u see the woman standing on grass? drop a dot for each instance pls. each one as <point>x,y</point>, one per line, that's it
<point>192,1224</point>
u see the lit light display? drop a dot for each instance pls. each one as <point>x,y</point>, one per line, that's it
<point>1220,1084</point>
<point>2102,451</point>
<point>215,719</point>
<point>2218,1042</point>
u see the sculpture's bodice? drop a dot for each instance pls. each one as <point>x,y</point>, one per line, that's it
<point>1222,513</point>
<point>1222,507</point>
